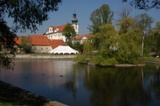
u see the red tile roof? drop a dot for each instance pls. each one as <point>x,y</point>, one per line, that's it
<point>41,40</point>
<point>38,39</point>
<point>18,40</point>
<point>81,36</point>
<point>60,28</point>
<point>56,43</point>
<point>88,35</point>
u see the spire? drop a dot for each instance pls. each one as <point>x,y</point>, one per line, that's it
<point>74,19</point>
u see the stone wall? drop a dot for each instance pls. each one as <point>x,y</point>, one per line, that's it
<point>25,56</point>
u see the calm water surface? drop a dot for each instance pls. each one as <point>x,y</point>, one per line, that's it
<point>81,85</point>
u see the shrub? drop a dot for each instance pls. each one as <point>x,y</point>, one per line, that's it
<point>80,58</point>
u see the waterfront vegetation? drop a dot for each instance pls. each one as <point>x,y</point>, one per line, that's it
<point>134,39</point>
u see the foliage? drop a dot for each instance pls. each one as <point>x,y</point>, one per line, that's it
<point>69,32</point>
<point>7,49</point>
<point>144,21</point>
<point>130,38</point>
<point>124,13</point>
<point>26,15</point>
<point>129,46</point>
<point>158,24</point>
<point>88,47</point>
<point>144,4</point>
<point>78,47</point>
<point>26,46</point>
<point>106,35</point>
<point>103,61</point>
<point>99,17</point>
<point>101,47</point>
<point>81,58</point>
<point>107,47</point>
<point>152,40</point>
<point>69,43</point>
<point>126,24</point>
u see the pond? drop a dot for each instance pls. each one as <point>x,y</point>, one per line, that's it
<point>82,85</point>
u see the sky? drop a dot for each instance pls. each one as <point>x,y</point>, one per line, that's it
<point>83,9</point>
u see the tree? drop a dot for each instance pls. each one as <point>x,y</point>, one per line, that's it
<point>129,46</point>
<point>78,47</point>
<point>26,15</point>
<point>124,13</point>
<point>126,24</point>
<point>100,17</point>
<point>150,41</point>
<point>129,41</point>
<point>104,43</point>
<point>69,32</point>
<point>25,45</point>
<point>144,21</point>
<point>158,24</point>
<point>144,4</point>
<point>153,39</point>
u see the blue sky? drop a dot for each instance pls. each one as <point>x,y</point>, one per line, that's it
<point>83,9</point>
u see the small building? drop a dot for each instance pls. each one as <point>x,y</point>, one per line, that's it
<point>42,44</point>
<point>83,38</point>
<point>55,32</point>
<point>39,43</point>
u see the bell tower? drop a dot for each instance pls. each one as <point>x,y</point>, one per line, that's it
<point>75,22</point>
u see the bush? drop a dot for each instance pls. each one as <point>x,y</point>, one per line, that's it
<point>109,62</point>
<point>80,58</point>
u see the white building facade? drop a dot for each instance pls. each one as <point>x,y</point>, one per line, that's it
<point>55,32</point>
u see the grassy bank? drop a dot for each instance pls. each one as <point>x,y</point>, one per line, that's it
<point>13,96</point>
<point>152,59</point>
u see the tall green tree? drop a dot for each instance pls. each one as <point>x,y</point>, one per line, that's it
<point>100,17</point>
<point>104,43</point>
<point>129,41</point>
<point>69,32</point>
<point>152,40</point>
<point>26,15</point>
<point>144,21</point>
<point>129,46</point>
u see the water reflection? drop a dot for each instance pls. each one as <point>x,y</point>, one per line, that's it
<point>123,86</point>
<point>83,85</point>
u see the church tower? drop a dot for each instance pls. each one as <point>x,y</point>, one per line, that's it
<point>75,22</point>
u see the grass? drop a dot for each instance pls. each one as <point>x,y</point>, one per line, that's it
<point>13,96</point>
<point>10,104</point>
<point>151,59</point>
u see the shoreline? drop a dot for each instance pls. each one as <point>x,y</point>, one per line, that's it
<point>129,65</point>
<point>71,57</point>
<point>18,96</point>
<point>34,56</point>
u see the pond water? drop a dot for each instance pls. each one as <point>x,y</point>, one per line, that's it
<point>82,85</point>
